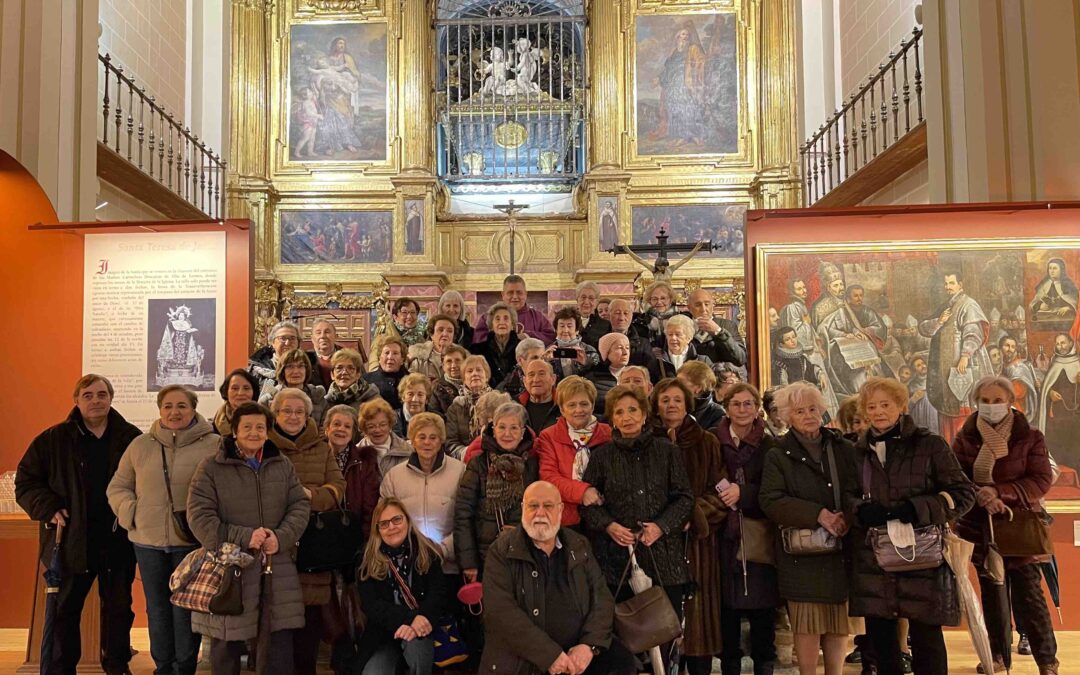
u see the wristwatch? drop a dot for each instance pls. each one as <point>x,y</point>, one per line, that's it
<point>595,650</point>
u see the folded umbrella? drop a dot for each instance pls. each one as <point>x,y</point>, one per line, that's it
<point>52,576</point>
<point>958,556</point>
<point>266,611</point>
<point>1053,583</point>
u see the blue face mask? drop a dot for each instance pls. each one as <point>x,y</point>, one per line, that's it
<point>993,412</point>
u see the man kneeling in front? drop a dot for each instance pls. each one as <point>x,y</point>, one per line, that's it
<point>554,611</point>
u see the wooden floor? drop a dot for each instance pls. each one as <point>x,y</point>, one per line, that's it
<point>961,655</point>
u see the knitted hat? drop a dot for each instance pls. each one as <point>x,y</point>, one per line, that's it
<point>607,342</point>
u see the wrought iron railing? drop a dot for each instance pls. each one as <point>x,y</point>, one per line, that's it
<point>139,129</point>
<point>874,118</point>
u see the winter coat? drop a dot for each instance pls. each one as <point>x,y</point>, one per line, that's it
<point>922,469</point>
<point>317,374</point>
<point>1021,478</point>
<point>385,615</point>
<point>708,412</point>
<point>566,367</point>
<point>261,364</point>
<point>222,422</point>
<point>229,500</point>
<point>642,480</point>
<point>666,368</point>
<point>556,453</point>
<point>315,392</point>
<point>50,477</point>
<point>429,499</point>
<point>425,360</point>
<point>515,593</point>
<point>137,493</point>
<point>502,363</point>
<point>477,521</point>
<point>704,464</point>
<point>399,453</point>
<point>513,383</point>
<point>604,382</point>
<point>744,464</point>
<point>794,489</point>
<point>459,426</point>
<point>366,392</point>
<point>533,320</point>
<point>726,346</point>
<point>387,382</point>
<point>596,329</point>
<point>554,414</point>
<point>443,394</point>
<point>362,478</point>
<point>319,472</point>
<point>463,334</point>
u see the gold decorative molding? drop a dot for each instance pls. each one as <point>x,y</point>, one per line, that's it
<point>339,5</point>
<point>268,309</point>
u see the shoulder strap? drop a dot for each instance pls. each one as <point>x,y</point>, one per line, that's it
<point>165,470</point>
<point>833,474</point>
<point>866,477</point>
<point>406,592</point>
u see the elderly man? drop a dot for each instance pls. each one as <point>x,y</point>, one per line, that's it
<point>716,337</point>
<point>407,322</point>
<point>555,612</point>
<point>61,482</point>
<point>621,314</point>
<point>283,337</point>
<point>637,377</point>
<point>593,326</point>
<point>539,395</point>
<point>534,322</point>
<point>324,339</point>
<point>529,349</point>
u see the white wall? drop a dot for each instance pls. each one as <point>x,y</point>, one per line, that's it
<point>148,38</point>
<point>869,30</point>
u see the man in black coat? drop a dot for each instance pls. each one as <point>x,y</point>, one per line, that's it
<point>61,482</point>
<point>716,337</point>
<point>593,326</point>
<point>641,350</point>
<point>324,341</point>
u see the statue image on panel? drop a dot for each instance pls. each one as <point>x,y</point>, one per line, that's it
<point>337,89</point>
<point>609,222</point>
<point>336,237</point>
<point>181,342</point>
<point>414,226</point>
<point>723,224</point>
<point>687,82</point>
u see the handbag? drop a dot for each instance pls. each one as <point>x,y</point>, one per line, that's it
<point>342,616</point>
<point>214,588</point>
<point>179,517</point>
<point>926,553</point>
<point>449,647</point>
<point>331,541</point>
<point>647,619</point>
<point>816,541</point>
<point>1021,533</point>
<point>757,541</point>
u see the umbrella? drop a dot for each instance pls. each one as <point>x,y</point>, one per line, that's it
<point>52,589</point>
<point>958,556</point>
<point>1053,583</point>
<point>266,601</point>
<point>640,582</point>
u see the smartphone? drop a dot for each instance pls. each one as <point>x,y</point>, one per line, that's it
<point>723,485</point>
<point>565,353</point>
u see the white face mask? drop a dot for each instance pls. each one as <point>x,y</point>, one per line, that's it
<point>993,412</point>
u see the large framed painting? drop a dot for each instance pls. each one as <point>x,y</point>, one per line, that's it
<point>937,315</point>
<point>337,237</point>
<point>337,92</point>
<point>686,84</point>
<point>723,224</point>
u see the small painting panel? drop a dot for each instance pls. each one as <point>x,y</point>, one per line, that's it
<point>181,343</point>
<point>346,237</point>
<point>414,226</point>
<point>609,222</point>
<point>723,224</point>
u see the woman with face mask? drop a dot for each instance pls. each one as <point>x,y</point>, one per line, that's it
<point>1010,466</point>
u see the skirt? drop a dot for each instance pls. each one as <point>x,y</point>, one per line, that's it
<point>819,618</point>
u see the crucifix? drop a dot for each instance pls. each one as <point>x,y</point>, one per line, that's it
<point>511,211</point>
<point>662,269</point>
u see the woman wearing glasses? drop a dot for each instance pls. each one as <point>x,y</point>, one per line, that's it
<point>348,388</point>
<point>283,337</point>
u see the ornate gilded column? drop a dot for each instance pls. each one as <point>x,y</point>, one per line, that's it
<point>416,78</point>
<point>606,81</point>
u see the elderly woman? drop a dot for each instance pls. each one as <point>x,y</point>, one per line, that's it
<point>660,298</point>
<point>284,336</point>
<point>614,351</point>
<point>749,590</point>
<point>671,402</point>
<point>701,381</point>
<point>294,370</point>
<point>426,357</point>
<point>679,348</point>
<point>427,484</point>
<point>348,388</point>
<point>489,497</point>
<point>249,494</point>
<point>645,500</point>
<point>801,488</point>
<point>391,350</point>
<point>593,326</point>
<point>238,388</point>
<point>482,413</point>
<point>404,594</point>
<point>414,390</point>
<point>499,348</point>
<point>477,376</point>
<point>453,305</point>
<point>359,464</point>
<point>1010,466</point>
<point>567,336</point>
<point>450,385</point>
<point>375,425</point>
<point>564,449</point>
<point>298,438</point>
<point>910,476</point>
<point>148,493</point>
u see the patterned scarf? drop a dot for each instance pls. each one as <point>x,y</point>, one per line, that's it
<point>995,446</point>
<point>580,438</point>
<point>346,396</point>
<point>473,396</point>
<point>505,481</point>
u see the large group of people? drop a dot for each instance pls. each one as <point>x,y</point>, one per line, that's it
<point>541,460</point>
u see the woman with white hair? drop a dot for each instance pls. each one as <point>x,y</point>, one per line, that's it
<point>802,486</point>
<point>1010,465</point>
<point>452,304</point>
<point>660,298</point>
<point>593,326</point>
<point>283,337</point>
<point>476,378</point>
<point>500,345</point>
<point>678,346</point>
<point>298,437</point>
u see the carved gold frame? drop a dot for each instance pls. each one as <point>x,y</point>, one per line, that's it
<point>333,272</point>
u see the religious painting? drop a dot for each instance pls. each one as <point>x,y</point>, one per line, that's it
<point>722,224</point>
<point>181,343</point>
<point>337,92</point>
<point>414,226</point>
<point>935,315</point>
<point>346,237</point>
<point>687,84</point>
<point>609,222</point>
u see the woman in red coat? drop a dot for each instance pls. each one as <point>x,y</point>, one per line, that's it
<point>564,448</point>
<point>1010,466</point>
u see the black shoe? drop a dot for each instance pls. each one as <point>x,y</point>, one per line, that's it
<point>854,657</point>
<point>1023,647</point>
<point>906,659</point>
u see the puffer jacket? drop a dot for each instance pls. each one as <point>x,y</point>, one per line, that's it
<point>458,426</point>
<point>429,499</point>
<point>502,363</point>
<point>1021,478</point>
<point>315,392</point>
<point>425,360</point>
<point>387,382</point>
<point>227,501</point>
<point>398,453</point>
<point>604,381</point>
<point>362,478</point>
<point>261,364</point>
<point>477,521</point>
<point>642,480</point>
<point>920,468</point>
<point>319,472</point>
<point>708,412</point>
<point>557,452</point>
<point>514,592</point>
<point>137,493</point>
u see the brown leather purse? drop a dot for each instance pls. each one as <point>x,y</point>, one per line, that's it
<point>647,619</point>
<point>757,540</point>
<point>1021,533</point>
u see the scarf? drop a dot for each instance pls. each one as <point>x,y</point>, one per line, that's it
<point>739,451</point>
<point>995,446</point>
<point>580,439</point>
<point>342,458</point>
<point>472,397</point>
<point>877,441</point>
<point>401,558</point>
<point>505,481</point>
<point>337,395</point>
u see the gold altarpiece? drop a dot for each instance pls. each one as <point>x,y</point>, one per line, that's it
<point>270,184</point>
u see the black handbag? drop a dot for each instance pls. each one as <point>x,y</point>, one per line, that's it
<point>179,517</point>
<point>330,542</point>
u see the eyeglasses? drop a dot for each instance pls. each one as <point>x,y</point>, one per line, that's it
<point>285,412</point>
<point>533,507</point>
<point>344,369</point>
<point>391,522</point>
<point>285,339</point>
